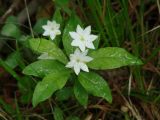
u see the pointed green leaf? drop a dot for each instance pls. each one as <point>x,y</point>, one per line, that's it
<point>112,57</point>
<point>41,45</point>
<point>50,83</point>
<point>43,67</point>
<point>57,16</point>
<point>80,94</point>
<point>38,26</point>
<point>13,59</point>
<point>11,29</point>
<point>64,4</point>
<point>95,85</point>
<point>96,42</point>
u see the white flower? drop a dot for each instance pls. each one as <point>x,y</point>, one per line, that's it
<point>83,38</point>
<point>78,61</point>
<point>51,29</point>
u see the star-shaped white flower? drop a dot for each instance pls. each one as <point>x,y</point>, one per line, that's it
<point>78,61</point>
<point>83,38</point>
<point>51,29</point>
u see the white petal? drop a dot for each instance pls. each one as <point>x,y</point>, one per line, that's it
<point>85,53</point>
<point>71,56</point>
<point>46,33</point>
<point>93,37</point>
<point>90,45</point>
<point>84,67</point>
<point>74,35</point>
<point>87,30</point>
<point>52,36</point>
<point>57,26</point>
<point>79,30</point>
<point>77,51</point>
<point>76,69</point>
<point>70,64</point>
<point>57,32</point>
<point>82,47</point>
<point>49,23</point>
<point>45,27</point>
<point>76,42</point>
<point>87,59</point>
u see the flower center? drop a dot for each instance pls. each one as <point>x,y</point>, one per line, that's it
<point>82,38</point>
<point>78,60</point>
<point>52,28</point>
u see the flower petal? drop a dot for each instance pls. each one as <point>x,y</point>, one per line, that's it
<point>76,68</point>
<point>49,22</point>
<point>52,36</point>
<point>79,30</point>
<point>90,45</point>
<point>74,35</point>
<point>57,26</point>
<point>70,64</point>
<point>85,53</point>
<point>82,47</point>
<point>93,37</point>
<point>87,30</point>
<point>77,51</point>
<point>87,59</point>
<point>84,67</point>
<point>51,29</point>
<point>45,27</point>
<point>46,33</point>
<point>75,43</point>
<point>57,32</point>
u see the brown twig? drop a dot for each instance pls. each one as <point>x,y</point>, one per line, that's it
<point>28,17</point>
<point>32,8</point>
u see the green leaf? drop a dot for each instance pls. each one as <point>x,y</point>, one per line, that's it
<point>95,85</point>
<point>23,40</point>
<point>38,26</point>
<point>112,57</point>
<point>43,67</point>
<point>80,94</point>
<point>64,5</point>
<point>12,19</point>
<point>45,56</point>
<point>57,16</point>
<point>58,114</point>
<point>13,59</point>
<point>50,84</point>
<point>64,93</point>
<point>41,45</point>
<point>11,29</point>
<point>96,42</point>
<point>70,26</point>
